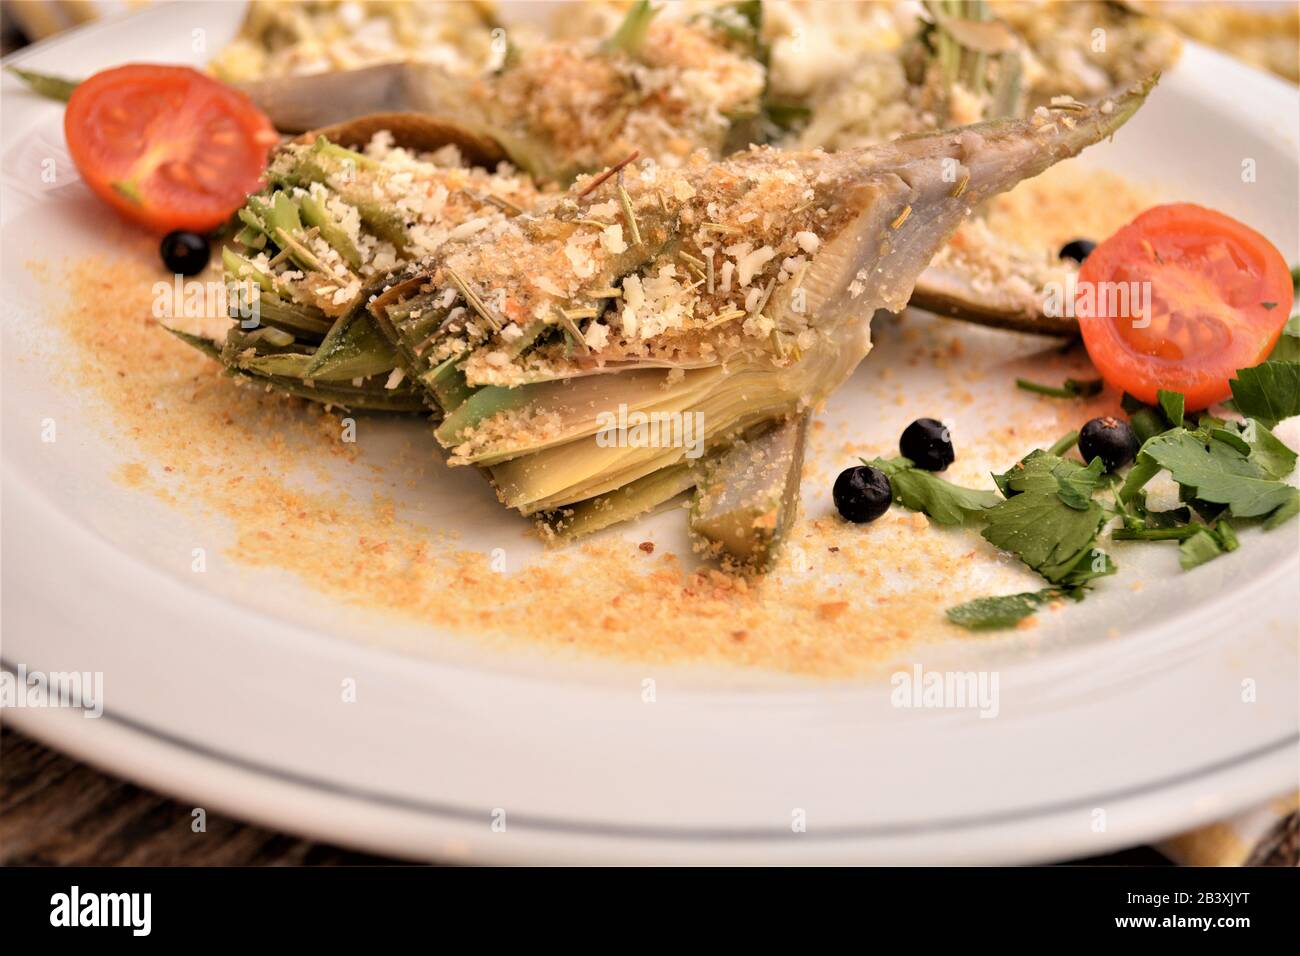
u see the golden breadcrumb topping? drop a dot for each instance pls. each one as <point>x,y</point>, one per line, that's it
<point>432,197</point>
<point>594,105</point>
<point>653,264</point>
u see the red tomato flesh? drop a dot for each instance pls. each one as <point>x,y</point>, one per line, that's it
<point>167,146</point>
<point>1179,299</point>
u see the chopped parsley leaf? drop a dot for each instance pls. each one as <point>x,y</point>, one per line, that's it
<point>1285,511</point>
<point>1173,405</point>
<point>1216,472</point>
<point>921,490</point>
<point>1050,520</point>
<point>1007,610</point>
<point>1269,392</point>
<point>1287,348</point>
<point>1206,544</point>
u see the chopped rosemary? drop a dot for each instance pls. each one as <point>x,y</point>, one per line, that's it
<point>626,200</point>
<point>902,217</point>
<point>799,276</point>
<point>503,204</point>
<point>279,257</point>
<point>767,294</point>
<point>961,186</point>
<point>777,345</point>
<point>723,317</point>
<point>571,328</point>
<point>299,251</point>
<point>694,266</point>
<point>473,300</point>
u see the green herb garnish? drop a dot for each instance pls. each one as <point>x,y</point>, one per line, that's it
<point>1206,544</point>
<point>1216,472</point>
<point>1072,388</point>
<point>1173,405</point>
<point>1287,348</point>
<point>1076,484</point>
<point>1064,443</point>
<point>53,87</point>
<point>1266,450</point>
<point>1285,511</point>
<point>1051,518</point>
<point>921,490</point>
<point>1050,521</point>
<point>1167,533</point>
<point>1008,610</point>
<point>1269,392</point>
<point>1146,421</point>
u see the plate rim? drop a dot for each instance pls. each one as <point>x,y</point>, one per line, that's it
<point>330,814</point>
<point>39,727</point>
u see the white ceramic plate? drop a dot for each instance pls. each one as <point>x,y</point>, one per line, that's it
<point>220,696</point>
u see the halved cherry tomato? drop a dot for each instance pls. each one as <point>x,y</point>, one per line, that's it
<point>1179,299</point>
<point>167,146</point>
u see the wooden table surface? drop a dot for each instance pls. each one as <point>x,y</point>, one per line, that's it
<point>57,811</point>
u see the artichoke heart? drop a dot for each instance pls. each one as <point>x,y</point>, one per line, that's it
<point>599,351</point>
<point>326,237</point>
<point>649,318</point>
<point>747,500</point>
